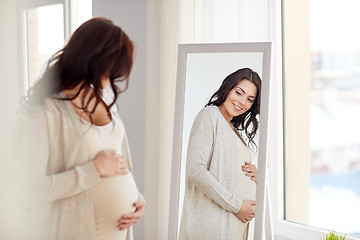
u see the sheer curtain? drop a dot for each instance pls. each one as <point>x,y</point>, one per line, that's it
<point>169,22</point>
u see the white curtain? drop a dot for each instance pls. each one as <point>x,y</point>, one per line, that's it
<point>169,22</point>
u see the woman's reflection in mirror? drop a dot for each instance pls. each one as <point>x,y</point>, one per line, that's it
<point>220,184</point>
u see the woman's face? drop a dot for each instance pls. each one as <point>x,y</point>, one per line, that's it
<point>239,100</point>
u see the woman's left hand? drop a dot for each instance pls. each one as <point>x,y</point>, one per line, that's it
<point>130,219</point>
<point>250,170</point>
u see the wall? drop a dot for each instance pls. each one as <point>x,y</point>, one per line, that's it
<point>10,218</point>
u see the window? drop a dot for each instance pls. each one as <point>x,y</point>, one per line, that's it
<point>44,29</point>
<point>321,116</point>
<point>44,35</point>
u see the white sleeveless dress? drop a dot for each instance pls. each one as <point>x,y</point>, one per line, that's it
<point>113,196</point>
<point>246,190</point>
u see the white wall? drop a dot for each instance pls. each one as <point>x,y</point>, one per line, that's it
<point>10,217</point>
<point>130,15</point>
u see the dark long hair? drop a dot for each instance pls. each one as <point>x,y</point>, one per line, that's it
<point>97,48</point>
<point>243,121</point>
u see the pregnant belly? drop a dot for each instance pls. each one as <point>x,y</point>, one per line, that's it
<point>246,190</point>
<point>113,197</point>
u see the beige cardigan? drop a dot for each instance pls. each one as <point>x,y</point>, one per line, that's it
<point>59,174</point>
<point>211,175</point>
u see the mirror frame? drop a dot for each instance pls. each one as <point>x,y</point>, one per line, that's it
<point>184,49</point>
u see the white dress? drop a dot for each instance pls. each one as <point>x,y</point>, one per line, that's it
<point>246,190</point>
<point>113,196</point>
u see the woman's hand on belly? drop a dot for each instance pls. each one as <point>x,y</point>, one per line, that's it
<point>130,219</point>
<point>250,171</point>
<point>109,163</point>
<point>246,212</point>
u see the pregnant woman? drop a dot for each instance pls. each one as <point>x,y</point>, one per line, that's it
<point>79,182</point>
<point>220,179</point>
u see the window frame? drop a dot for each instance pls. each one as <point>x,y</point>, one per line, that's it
<point>23,6</point>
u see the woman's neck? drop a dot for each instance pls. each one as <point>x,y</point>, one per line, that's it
<point>85,103</point>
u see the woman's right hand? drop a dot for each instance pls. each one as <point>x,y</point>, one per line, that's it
<point>109,163</point>
<point>247,211</point>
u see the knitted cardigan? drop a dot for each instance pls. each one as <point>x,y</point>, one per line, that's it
<point>59,174</point>
<point>210,199</point>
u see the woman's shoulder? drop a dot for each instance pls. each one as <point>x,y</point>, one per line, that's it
<point>208,114</point>
<point>52,107</point>
<point>53,103</point>
<point>48,105</point>
<point>41,114</point>
<point>212,111</point>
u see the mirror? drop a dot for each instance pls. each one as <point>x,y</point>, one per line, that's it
<point>201,70</point>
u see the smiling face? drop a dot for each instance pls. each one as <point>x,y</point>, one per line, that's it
<point>239,100</point>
